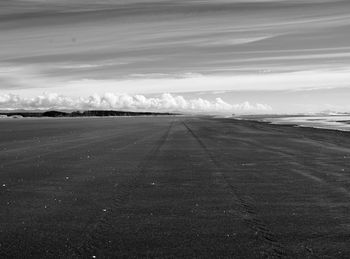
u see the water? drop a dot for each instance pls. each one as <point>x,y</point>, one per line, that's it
<point>335,122</point>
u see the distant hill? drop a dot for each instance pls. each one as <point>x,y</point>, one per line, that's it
<point>89,113</point>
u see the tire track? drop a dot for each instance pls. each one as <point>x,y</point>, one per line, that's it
<point>316,176</point>
<point>247,211</point>
<point>56,148</point>
<point>95,241</point>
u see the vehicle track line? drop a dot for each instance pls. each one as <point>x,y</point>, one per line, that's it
<point>95,236</point>
<point>247,211</point>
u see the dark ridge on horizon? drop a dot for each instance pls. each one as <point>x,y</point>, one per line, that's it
<point>88,113</point>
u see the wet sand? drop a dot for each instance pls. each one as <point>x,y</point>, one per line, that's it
<point>166,187</point>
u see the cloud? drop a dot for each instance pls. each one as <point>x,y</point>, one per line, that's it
<point>33,80</point>
<point>165,102</point>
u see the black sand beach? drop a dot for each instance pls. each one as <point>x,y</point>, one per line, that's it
<point>172,187</point>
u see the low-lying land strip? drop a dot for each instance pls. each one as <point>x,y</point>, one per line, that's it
<point>88,113</point>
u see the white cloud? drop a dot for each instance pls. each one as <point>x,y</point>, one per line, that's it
<point>165,102</point>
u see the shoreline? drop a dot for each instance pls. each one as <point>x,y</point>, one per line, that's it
<point>262,121</point>
<point>272,121</point>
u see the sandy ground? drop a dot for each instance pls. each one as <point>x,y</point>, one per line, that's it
<point>166,187</point>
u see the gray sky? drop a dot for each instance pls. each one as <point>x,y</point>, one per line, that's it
<point>268,52</point>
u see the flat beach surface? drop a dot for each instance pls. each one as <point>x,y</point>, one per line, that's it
<point>172,187</point>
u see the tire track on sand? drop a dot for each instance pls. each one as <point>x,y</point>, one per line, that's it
<point>247,210</point>
<point>95,243</point>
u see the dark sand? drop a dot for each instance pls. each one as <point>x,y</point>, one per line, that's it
<point>166,187</point>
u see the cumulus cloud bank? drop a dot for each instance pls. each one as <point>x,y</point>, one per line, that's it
<point>165,102</point>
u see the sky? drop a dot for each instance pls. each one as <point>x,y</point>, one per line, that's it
<point>231,56</point>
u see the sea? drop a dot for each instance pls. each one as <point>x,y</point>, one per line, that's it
<point>333,122</point>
